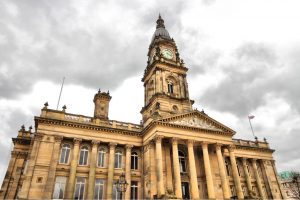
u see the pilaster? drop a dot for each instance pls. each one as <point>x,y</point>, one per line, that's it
<point>128,170</point>
<point>91,181</point>
<point>52,168</point>
<point>224,181</point>
<point>73,168</point>
<point>110,175</point>
<point>193,174</point>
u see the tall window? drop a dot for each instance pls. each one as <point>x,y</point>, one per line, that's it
<point>118,159</point>
<point>182,161</point>
<point>84,153</point>
<point>116,193</point>
<point>227,167</point>
<point>134,160</point>
<point>170,88</point>
<point>101,157</point>
<point>65,154</point>
<point>99,189</point>
<point>134,190</point>
<point>79,188</point>
<point>59,187</point>
<point>248,168</point>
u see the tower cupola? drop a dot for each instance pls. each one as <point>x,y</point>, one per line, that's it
<point>101,100</point>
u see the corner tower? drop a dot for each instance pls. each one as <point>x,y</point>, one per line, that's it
<point>165,85</point>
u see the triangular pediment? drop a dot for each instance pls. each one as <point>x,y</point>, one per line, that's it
<point>198,120</point>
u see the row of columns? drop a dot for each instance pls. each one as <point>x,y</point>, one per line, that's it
<point>92,170</point>
<point>194,191</point>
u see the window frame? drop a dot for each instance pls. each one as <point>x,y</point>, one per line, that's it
<point>134,165</point>
<point>118,159</point>
<point>85,158</point>
<point>61,153</point>
<point>59,183</point>
<point>182,159</point>
<point>80,185</point>
<point>103,152</point>
<point>134,186</point>
<point>98,187</point>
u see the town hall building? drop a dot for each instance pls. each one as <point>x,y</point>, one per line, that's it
<point>176,152</point>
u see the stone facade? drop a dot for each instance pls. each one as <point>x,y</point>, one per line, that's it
<point>176,151</point>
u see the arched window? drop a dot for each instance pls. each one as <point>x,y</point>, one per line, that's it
<point>65,154</point>
<point>170,88</point>
<point>118,159</point>
<point>134,160</point>
<point>182,161</point>
<point>84,153</point>
<point>101,157</point>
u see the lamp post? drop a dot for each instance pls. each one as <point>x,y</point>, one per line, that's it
<point>122,184</point>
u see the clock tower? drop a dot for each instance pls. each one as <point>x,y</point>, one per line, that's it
<point>165,84</point>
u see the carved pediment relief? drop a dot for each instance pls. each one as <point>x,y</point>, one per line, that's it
<point>196,122</point>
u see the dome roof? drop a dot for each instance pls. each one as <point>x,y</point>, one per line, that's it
<point>160,30</point>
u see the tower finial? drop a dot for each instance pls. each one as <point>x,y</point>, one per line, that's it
<point>160,22</point>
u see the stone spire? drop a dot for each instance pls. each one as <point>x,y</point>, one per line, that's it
<point>160,22</point>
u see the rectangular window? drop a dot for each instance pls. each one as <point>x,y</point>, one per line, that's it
<point>99,189</point>
<point>134,190</point>
<point>59,187</point>
<point>79,188</point>
<point>116,193</point>
<point>101,155</point>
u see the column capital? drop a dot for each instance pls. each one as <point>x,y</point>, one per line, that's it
<point>95,143</point>
<point>14,154</point>
<point>158,138</point>
<point>58,138</point>
<point>77,141</point>
<point>112,145</point>
<point>128,146</point>
<point>253,160</point>
<point>218,146</point>
<point>231,148</point>
<point>39,136</point>
<point>174,140</point>
<point>204,144</point>
<point>244,160</point>
<point>191,142</point>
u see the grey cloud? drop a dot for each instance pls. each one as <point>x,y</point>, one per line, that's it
<point>48,41</point>
<point>247,80</point>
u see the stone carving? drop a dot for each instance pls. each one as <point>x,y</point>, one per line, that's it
<point>195,122</point>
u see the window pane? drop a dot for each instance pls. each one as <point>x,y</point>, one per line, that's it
<point>134,190</point>
<point>59,187</point>
<point>67,155</point>
<point>79,189</point>
<point>99,189</point>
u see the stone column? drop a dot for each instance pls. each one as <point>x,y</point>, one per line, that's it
<point>159,169</point>
<point>73,168</point>
<point>224,181</point>
<point>235,173</point>
<point>30,168</point>
<point>93,159</point>
<point>111,167</point>
<point>209,179</point>
<point>177,178</point>
<point>128,170</point>
<point>52,169</point>
<point>169,169</point>
<point>247,176</point>
<point>193,174</point>
<point>258,181</point>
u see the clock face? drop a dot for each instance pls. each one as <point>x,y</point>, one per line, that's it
<point>167,53</point>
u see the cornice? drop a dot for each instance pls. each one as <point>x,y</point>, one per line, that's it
<point>85,126</point>
<point>25,141</point>
<point>213,132</point>
<point>260,149</point>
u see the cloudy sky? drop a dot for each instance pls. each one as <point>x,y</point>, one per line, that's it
<point>243,58</point>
